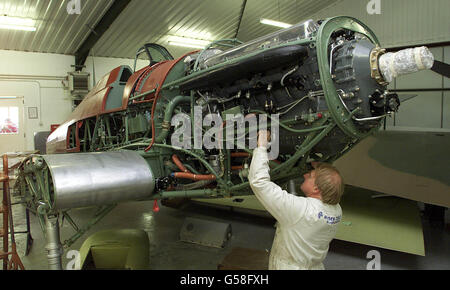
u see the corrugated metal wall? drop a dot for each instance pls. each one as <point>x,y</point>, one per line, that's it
<point>155,21</point>
<point>57,31</point>
<point>209,20</point>
<point>288,11</point>
<point>401,22</point>
<point>146,21</point>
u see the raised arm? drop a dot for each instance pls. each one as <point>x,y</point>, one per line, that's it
<point>284,207</point>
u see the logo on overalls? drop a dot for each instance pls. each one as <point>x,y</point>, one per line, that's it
<point>331,220</point>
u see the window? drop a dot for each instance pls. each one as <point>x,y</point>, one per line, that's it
<point>9,120</point>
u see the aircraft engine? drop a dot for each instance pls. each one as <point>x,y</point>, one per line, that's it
<point>321,87</point>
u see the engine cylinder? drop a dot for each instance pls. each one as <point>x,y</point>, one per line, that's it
<point>95,179</point>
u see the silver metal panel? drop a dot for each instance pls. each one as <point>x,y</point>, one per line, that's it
<point>92,179</point>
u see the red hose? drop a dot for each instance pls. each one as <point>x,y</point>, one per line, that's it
<point>186,174</point>
<point>194,177</point>
<point>180,165</point>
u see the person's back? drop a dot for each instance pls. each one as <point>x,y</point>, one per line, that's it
<point>306,225</point>
<point>304,244</point>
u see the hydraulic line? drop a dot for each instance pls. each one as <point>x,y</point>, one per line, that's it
<point>180,165</point>
<point>192,176</point>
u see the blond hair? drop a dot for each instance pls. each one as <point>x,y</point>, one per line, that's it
<point>330,183</point>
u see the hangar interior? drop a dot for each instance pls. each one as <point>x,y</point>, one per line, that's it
<point>54,54</point>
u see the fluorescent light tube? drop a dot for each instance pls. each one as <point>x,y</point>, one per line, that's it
<point>7,97</point>
<point>175,43</point>
<point>17,23</point>
<point>275,23</point>
<point>17,27</point>
<point>188,42</point>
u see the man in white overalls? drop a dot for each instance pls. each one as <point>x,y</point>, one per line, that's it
<point>306,225</point>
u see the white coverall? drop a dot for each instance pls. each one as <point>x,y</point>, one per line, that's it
<point>305,227</point>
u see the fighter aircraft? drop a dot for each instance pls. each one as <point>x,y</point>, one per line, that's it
<point>163,132</point>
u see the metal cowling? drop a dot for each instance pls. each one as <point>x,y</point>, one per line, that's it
<point>95,179</point>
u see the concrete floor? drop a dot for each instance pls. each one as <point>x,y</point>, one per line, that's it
<point>167,252</point>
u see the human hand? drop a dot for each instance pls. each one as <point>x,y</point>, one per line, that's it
<point>263,138</point>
